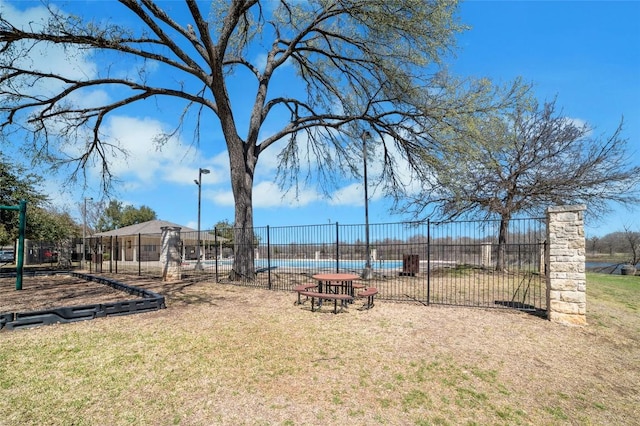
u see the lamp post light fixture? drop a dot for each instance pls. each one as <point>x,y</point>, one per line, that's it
<point>84,232</point>
<point>366,272</point>
<point>199,183</point>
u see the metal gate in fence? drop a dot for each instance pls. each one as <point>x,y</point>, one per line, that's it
<point>470,265</point>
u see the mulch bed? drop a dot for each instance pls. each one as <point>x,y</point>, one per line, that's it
<point>54,291</point>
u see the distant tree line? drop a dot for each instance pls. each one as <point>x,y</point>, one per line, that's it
<point>624,245</point>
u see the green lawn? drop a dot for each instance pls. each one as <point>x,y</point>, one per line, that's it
<point>615,302</point>
<point>618,290</point>
<point>230,355</point>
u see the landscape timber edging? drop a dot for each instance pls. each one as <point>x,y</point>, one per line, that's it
<point>147,301</point>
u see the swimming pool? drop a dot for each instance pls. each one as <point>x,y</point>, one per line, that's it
<point>321,264</point>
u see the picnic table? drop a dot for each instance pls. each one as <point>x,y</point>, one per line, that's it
<point>336,287</point>
<point>332,287</point>
<point>337,283</point>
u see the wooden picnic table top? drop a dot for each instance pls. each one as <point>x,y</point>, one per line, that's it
<point>336,277</point>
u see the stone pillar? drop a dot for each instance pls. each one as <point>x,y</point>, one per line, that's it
<point>170,253</point>
<point>486,255</point>
<point>565,259</point>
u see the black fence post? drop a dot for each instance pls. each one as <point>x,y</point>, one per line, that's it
<point>111,254</point>
<point>138,253</point>
<point>117,251</point>
<point>337,248</point>
<point>428,261</point>
<point>215,250</point>
<point>90,260</point>
<point>268,258</point>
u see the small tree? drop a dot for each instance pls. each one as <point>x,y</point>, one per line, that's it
<point>16,184</point>
<point>54,226</point>
<point>115,216</point>
<point>633,243</point>
<point>522,161</point>
<point>51,224</point>
<point>107,217</point>
<point>132,215</point>
<point>594,244</point>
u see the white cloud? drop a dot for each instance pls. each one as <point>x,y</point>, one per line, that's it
<point>221,163</point>
<point>136,137</point>
<point>268,161</point>
<point>147,163</point>
<point>89,98</point>
<point>186,174</point>
<point>266,195</point>
<point>68,61</point>
<point>350,195</point>
<point>260,61</point>
<point>220,198</point>
<point>60,196</point>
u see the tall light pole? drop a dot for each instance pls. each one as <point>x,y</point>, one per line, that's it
<point>366,272</point>
<point>199,183</point>
<point>84,232</point>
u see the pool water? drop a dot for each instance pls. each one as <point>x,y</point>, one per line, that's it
<point>321,264</point>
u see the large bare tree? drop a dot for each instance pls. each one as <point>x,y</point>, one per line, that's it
<point>522,160</point>
<point>362,64</point>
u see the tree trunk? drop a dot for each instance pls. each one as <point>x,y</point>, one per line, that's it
<point>502,242</point>
<point>243,256</point>
<point>242,162</point>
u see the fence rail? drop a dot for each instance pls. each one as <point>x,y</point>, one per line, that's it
<point>454,263</point>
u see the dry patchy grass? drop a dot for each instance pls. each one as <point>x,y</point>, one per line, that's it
<point>221,354</point>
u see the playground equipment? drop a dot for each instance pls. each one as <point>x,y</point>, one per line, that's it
<point>22,208</point>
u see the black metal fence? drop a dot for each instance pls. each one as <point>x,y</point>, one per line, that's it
<point>65,253</point>
<point>454,263</point>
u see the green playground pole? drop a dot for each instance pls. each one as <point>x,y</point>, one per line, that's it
<point>22,208</point>
<point>20,259</point>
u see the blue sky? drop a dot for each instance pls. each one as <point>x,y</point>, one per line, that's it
<point>585,53</point>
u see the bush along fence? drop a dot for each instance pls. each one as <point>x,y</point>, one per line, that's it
<point>536,265</point>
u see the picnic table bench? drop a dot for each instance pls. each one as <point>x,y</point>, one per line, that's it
<point>303,287</point>
<point>369,293</point>
<point>344,298</point>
